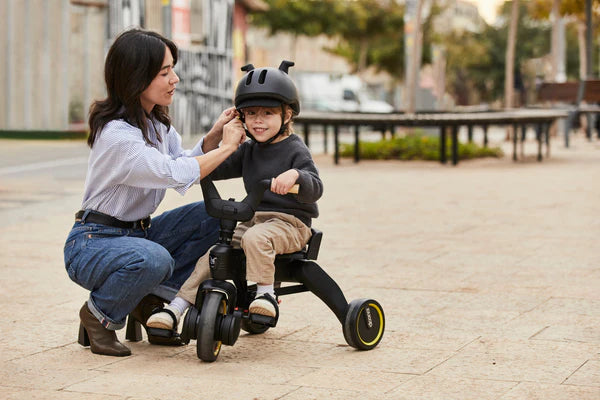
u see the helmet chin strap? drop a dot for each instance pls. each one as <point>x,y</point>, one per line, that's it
<point>281,130</point>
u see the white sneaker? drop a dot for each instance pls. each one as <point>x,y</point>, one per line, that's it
<point>166,318</point>
<point>264,305</point>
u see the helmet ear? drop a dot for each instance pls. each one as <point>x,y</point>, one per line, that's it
<point>267,87</point>
<point>285,65</point>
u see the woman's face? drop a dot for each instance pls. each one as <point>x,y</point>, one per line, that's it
<point>162,88</point>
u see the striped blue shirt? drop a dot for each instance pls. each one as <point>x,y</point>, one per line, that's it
<point>127,177</point>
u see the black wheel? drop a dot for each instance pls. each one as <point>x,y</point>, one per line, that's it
<point>364,324</point>
<point>213,311</point>
<point>188,329</point>
<point>253,328</point>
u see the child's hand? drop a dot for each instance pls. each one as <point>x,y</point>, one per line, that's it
<point>284,182</point>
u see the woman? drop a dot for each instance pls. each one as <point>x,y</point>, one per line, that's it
<point>114,249</point>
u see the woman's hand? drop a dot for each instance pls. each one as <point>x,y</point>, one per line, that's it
<point>215,135</point>
<point>284,182</point>
<point>223,119</point>
<point>234,133</point>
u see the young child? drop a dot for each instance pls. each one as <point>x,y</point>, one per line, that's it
<point>266,100</point>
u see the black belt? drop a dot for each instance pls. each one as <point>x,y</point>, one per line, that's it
<point>100,218</point>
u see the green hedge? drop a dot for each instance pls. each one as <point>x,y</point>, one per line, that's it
<point>416,147</point>
<point>46,135</point>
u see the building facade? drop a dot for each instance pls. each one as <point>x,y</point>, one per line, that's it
<point>54,53</point>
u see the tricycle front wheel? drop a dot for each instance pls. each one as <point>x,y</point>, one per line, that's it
<point>214,308</point>
<point>364,324</point>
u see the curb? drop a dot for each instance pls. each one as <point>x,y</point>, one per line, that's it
<point>45,135</point>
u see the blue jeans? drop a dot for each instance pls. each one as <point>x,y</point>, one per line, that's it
<point>121,266</point>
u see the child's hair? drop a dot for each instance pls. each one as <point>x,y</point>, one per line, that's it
<point>289,128</point>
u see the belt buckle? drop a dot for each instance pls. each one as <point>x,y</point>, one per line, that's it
<point>143,224</point>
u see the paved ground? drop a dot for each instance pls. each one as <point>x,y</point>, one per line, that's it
<point>488,273</point>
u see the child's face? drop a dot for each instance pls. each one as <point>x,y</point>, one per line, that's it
<point>264,122</point>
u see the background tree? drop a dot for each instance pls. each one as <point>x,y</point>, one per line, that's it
<point>575,9</point>
<point>476,61</point>
<point>370,33</point>
<point>509,67</point>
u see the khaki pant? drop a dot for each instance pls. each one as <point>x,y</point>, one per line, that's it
<point>261,238</point>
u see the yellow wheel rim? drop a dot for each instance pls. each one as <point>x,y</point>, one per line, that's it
<point>380,314</point>
<point>219,343</point>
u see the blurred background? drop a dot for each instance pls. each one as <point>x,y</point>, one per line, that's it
<point>354,55</point>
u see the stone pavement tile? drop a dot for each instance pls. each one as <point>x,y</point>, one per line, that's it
<point>418,275</point>
<point>312,393</point>
<point>174,387</point>
<point>564,319</point>
<point>260,349</point>
<point>332,335</point>
<point>41,375</point>
<point>389,359</point>
<point>587,375</point>
<point>408,332</point>
<point>476,301</point>
<point>283,353</point>
<point>575,328</point>
<point>536,280</point>
<point>433,387</point>
<point>402,303</point>
<point>372,382</point>
<point>32,337</point>
<point>14,392</point>
<point>420,333</point>
<point>538,391</point>
<point>32,394</point>
<point>479,321</point>
<point>188,365</point>
<point>498,359</point>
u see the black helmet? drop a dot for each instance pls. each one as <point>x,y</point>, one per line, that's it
<point>267,87</point>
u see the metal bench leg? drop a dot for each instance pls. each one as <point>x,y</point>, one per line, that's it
<point>546,131</point>
<point>569,126</point>
<point>455,145</point>
<point>356,144</point>
<point>515,133</point>
<point>485,136</point>
<point>443,144</point>
<point>538,137</point>
<point>523,137</point>
<point>336,144</point>
<point>325,131</point>
<point>588,128</point>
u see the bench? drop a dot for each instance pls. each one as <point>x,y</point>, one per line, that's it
<point>577,97</point>
<point>446,122</point>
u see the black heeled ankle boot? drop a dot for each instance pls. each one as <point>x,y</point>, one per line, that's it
<point>101,340</point>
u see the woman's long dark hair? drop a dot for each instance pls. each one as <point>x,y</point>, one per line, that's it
<point>133,61</point>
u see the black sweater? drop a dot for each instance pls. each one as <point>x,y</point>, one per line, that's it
<point>255,162</point>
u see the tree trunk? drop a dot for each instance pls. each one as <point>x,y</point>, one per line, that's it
<point>509,70</point>
<point>415,62</point>
<point>554,16</point>
<point>362,56</point>
<point>582,50</point>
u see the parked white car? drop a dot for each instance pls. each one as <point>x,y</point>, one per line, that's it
<point>345,93</point>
